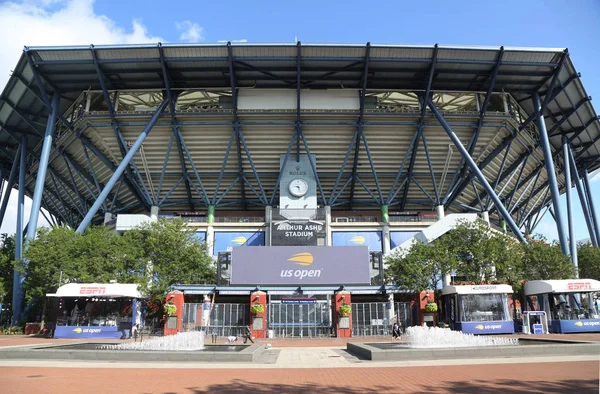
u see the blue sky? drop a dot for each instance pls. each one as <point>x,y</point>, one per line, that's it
<point>546,23</point>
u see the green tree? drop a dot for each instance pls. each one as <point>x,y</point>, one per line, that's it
<point>545,261</point>
<point>588,258</point>
<point>173,254</point>
<point>7,257</point>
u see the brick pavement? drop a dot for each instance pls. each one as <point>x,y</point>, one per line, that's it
<point>579,377</point>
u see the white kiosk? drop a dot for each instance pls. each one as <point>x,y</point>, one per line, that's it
<point>572,305</point>
<point>96,310</point>
<point>479,309</point>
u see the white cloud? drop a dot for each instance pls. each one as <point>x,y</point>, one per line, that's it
<point>190,31</point>
<point>9,224</point>
<point>242,40</point>
<point>59,22</point>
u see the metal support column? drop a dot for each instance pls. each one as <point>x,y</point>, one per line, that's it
<point>549,163</point>
<point>18,279</point>
<point>9,185</point>
<point>582,198</point>
<point>570,218</point>
<point>476,170</point>
<point>43,166</point>
<point>119,171</point>
<point>588,191</point>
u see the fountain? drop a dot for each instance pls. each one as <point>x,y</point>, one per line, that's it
<point>183,341</point>
<point>434,337</point>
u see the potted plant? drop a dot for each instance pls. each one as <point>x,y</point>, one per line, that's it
<point>257,309</point>
<point>344,309</point>
<point>431,307</point>
<point>170,308</point>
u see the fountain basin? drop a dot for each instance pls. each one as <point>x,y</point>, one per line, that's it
<point>91,351</point>
<point>525,348</point>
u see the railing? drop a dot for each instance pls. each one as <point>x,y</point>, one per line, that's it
<point>355,219</point>
<point>416,218</point>
<point>239,219</point>
<point>304,214</point>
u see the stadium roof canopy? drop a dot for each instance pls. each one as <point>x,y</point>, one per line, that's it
<point>392,68</point>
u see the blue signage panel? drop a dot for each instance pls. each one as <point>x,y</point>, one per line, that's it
<point>300,265</point>
<point>226,241</point>
<point>87,332</point>
<point>200,235</point>
<point>584,325</point>
<point>299,301</point>
<point>398,237</point>
<point>372,239</point>
<point>486,327</point>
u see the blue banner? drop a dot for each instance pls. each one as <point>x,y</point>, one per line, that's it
<point>584,325</point>
<point>486,327</point>
<point>372,239</point>
<point>226,241</point>
<point>398,237</point>
<point>200,235</point>
<point>87,332</point>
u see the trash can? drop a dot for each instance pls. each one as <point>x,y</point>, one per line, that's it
<point>270,334</point>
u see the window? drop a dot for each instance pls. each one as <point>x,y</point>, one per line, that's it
<point>483,307</point>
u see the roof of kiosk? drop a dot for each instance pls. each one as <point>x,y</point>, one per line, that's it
<point>478,289</point>
<point>98,290</point>
<point>561,286</point>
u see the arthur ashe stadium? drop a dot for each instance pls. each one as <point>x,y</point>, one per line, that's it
<point>320,158</point>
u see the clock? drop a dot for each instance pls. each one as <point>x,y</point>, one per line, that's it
<point>298,187</point>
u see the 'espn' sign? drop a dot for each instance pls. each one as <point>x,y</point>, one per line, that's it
<point>579,286</point>
<point>93,290</point>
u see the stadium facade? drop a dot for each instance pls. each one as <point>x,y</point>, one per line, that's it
<point>322,157</point>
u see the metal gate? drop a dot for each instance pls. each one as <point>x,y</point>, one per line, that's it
<point>225,319</point>
<point>300,320</point>
<point>372,318</point>
<point>404,314</point>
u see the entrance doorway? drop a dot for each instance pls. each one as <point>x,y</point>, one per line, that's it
<point>299,318</point>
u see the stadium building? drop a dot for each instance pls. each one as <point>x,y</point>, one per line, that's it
<point>300,165</point>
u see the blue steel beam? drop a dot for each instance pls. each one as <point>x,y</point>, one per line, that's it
<point>592,209</point>
<point>314,168</point>
<point>164,168</point>
<point>43,166</point>
<point>359,126</point>
<point>341,173</point>
<point>583,199</point>
<point>570,217</point>
<point>9,185</point>
<point>549,163</point>
<point>84,205</point>
<point>502,164</point>
<point>91,166</point>
<point>18,279</point>
<point>112,203</point>
<point>483,108</point>
<point>476,170</point>
<point>202,194</point>
<point>119,171</point>
<point>143,195</point>
<point>393,194</point>
<point>235,123</point>
<point>175,129</point>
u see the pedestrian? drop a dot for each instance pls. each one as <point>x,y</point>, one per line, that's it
<point>395,331</point>
<point>248,336</point>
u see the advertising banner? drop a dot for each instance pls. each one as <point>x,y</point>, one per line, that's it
<point>87,332</point>
<point>300,265</point>
<point>297,233</point>
<point>372,239</point>
<point>398,237</point>
<point>583,325</point>
<point>226,241</point>
<point>487,327</point>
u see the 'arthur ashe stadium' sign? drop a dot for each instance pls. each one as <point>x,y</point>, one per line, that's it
<point>298,233</point>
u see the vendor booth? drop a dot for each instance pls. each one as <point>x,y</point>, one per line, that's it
<point>479,309</point>
<point>96,310</point>
<point>571,305</point>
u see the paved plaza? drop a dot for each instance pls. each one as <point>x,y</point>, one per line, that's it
<point>303,366</point>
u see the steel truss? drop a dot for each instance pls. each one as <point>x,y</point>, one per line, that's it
<point>518,191</point>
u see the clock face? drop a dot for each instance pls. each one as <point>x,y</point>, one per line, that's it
<point>298,187</point>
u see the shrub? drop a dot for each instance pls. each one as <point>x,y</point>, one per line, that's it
<point>345,309</point>
<point>431,307</point>
<point>170,308</point>
<point>257,309</point>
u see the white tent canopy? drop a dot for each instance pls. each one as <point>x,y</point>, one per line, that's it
<point>478,289</point>
<point>98,290</point>
<point>561,286</point>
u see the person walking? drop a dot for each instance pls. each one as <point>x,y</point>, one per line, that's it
<point>395,331</point>
<point>248,336</point>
